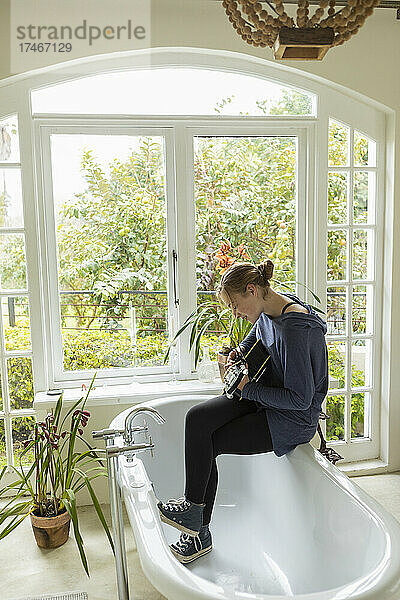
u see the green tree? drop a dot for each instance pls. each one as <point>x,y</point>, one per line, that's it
<point>245,192</point>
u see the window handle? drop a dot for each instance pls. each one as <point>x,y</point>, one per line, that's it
<point>174,267</point>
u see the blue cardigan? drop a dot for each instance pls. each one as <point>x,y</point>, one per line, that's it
<point>296,381</point>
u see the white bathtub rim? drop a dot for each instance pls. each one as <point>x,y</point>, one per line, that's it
<point>119,420</point>
<point>165,579</point>
<point>384,519</point>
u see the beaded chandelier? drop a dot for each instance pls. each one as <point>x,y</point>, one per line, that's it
<point>304,38</point>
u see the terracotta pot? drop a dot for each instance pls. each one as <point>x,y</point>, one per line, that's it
<point>51,532</point>
<point>222,357</point>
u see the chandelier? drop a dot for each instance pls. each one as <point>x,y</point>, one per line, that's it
<point>304,38</point>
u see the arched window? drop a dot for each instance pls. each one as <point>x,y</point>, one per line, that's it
<point>144,183</point>
<point>173,91</point>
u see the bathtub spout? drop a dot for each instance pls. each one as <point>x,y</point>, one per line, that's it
<point>129,430</point>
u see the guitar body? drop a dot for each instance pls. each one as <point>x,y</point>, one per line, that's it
<point>257,362</point>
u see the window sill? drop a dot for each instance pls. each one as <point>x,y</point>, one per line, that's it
<point>364,467</point>
<point>128,394</point>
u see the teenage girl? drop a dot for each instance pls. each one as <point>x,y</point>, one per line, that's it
<point>276,413</point>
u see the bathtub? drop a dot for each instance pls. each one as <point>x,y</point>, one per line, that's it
<point>293,526</point>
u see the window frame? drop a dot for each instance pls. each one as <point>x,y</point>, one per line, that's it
<point>372,125</point>
<point>181,218</point>
<point>44,128</point>
<point>369,449</point>
<point>8,414</point>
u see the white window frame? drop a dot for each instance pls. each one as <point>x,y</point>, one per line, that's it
<point>181,218</point>
<point>303,131</point>
<point>8,414</point>
<point>44,128</point>
<point>370,123</point>
<point>363,114</point>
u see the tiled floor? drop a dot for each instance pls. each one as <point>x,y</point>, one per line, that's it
<point>26,570</point>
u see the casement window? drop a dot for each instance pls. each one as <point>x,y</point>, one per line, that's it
<point>16,390</point>
<point>353,251</point>
<point>141,185</point>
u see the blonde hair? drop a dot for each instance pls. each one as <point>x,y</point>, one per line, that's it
<point>237,277</point>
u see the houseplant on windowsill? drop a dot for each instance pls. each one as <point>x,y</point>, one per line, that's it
<point>204,319</point>
<point>210,315</point>
<point>59,471</point>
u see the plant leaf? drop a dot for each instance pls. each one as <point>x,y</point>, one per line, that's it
<point>11,526</point>
<point>98,508</point>
<point>70,505</point>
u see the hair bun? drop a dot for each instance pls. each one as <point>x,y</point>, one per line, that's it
<point>266,269</point>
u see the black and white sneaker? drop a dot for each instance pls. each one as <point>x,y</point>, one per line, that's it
<point>182,514</point>
<point>188,548</point>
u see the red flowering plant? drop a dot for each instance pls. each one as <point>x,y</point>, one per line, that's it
<point>226,255</point>
<point>209,317</point>
<point>58,473</point>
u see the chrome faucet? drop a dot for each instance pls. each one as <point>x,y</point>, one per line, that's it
<point>129,430</point>
<point>112,454</point>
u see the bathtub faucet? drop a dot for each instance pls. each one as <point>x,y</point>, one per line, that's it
<point>129,430</point>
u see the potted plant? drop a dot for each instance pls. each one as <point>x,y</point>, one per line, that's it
<point>59,472</point>
<point>206,318</point>
<point>209,315</point>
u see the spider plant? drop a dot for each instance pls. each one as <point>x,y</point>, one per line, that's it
<point>210,316</point>
<point>59,472</point>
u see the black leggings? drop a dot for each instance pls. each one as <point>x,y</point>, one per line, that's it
<point>220,426</point>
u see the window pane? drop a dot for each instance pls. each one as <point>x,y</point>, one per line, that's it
<point>337,198</point>
<point>337,254</point>
<point>359,410</point>
<point>339,136</point>
<point>12,261</point>
<point>364,193</point>
<point>335,423</point>
<point>183,91</point>
<point>111,340</point>
<point>336,310</point>
<point>3,453</point>
<point>245,197</point>
<point>337,364</point>
<point>16,323</point>
<point>364,151</point>
<point>22,429</point>
<point>1,394</point>
<point>10,198</point>
<point>361,363</point>
<point>362,309</point>
<point>20,382</point>
<point>110,209</point>
<point>9,141</point>
<point>363,264</point>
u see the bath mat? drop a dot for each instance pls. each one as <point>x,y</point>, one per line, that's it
<point>66,596</point>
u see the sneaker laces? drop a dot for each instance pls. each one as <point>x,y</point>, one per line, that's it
<point>185,540</point>
<point>177,504</point>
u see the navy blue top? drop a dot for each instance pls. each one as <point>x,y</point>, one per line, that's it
<point>296,381</point>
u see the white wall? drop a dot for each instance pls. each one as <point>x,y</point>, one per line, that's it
<point>366,63</point>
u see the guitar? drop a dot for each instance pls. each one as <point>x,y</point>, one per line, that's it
<point>256,357</point>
